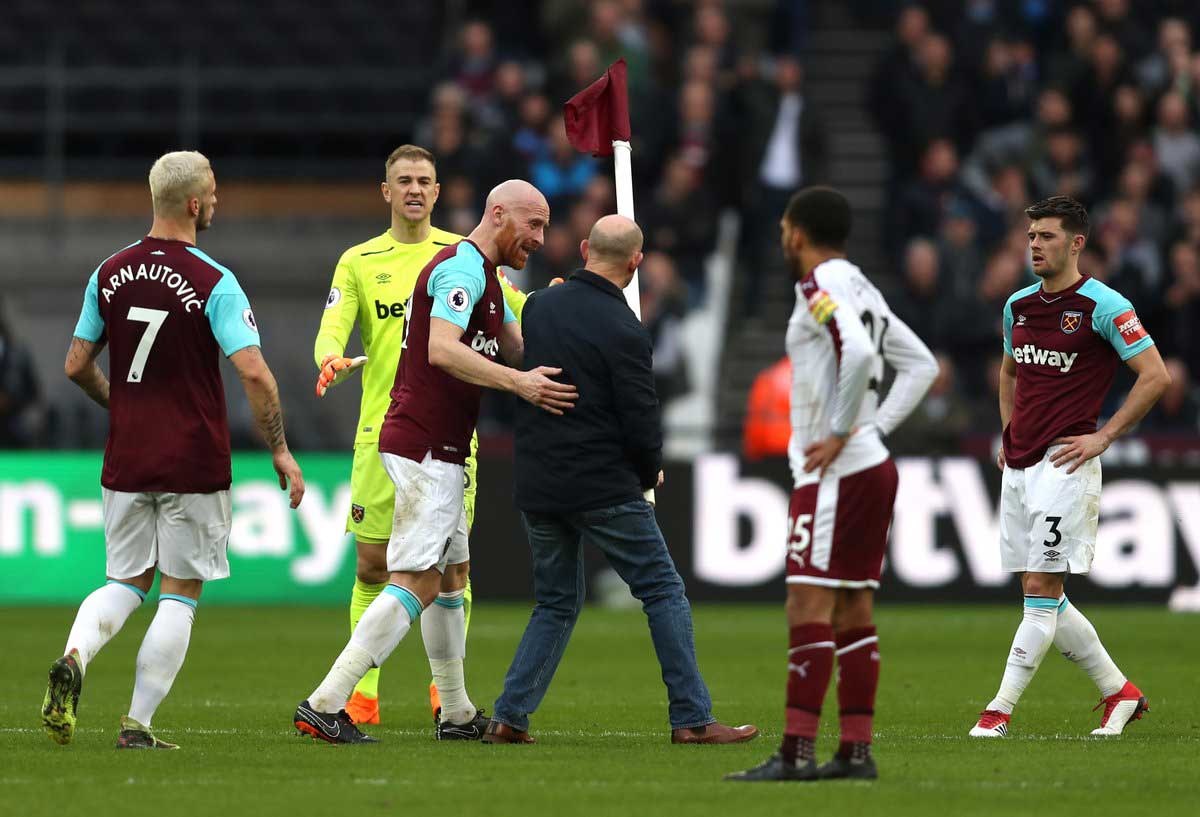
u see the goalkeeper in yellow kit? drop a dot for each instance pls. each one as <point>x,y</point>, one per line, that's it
<point>372,285</point>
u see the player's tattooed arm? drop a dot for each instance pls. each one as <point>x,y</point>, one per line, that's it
<point>82,368</point>
<point>263,394</point>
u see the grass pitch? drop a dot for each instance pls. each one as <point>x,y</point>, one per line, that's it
<point>603,738</point>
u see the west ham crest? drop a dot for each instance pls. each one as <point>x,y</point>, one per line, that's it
<point>357,512</point>
<point>1071,321</point>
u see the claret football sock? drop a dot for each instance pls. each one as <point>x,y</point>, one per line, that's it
<point>442,628</point>
<point>360,599</point>
<point>381,628</point>
<point>857,680</point>
<point>810,663</point>
<point>1034,636</point>
<point>101,616</point>
<point>1076,639</point>
<point>161,655</point>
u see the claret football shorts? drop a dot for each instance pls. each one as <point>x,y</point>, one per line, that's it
<point>185,535</point>
<point>1048,518</point>
<point>429,523</point>
<point>372,494</point>
<point>838,528</point>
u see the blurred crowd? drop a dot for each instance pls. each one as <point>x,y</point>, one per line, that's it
<point>987,106</point>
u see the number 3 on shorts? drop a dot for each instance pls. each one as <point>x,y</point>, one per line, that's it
<point>1053,522</point>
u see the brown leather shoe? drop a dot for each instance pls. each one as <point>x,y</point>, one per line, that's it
<point>497,732</point>
<point>715,733</point>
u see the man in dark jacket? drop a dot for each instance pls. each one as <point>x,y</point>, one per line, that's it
<point>581,476</point>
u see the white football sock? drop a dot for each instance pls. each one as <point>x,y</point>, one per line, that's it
<point>443,627</point>
<point>1033,638</point>
<point>101,616</point>
<point>1076,639</point>
<point>386,621</point>
<point>161,655</point>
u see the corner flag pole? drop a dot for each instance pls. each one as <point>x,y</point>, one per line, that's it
<point>623,176</point>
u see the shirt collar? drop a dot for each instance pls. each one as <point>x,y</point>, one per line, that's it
<point>599,282</point>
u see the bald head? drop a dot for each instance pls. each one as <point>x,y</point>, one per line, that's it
<point>614,240</point>
<point>515,193</point>
<point>614,249</point>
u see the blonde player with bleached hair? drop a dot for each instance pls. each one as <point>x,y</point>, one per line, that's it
<point>176,177</point>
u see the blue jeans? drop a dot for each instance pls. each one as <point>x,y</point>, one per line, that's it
<point>628,535</point>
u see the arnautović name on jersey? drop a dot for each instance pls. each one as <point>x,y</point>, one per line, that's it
<point>1044,357</point>
<point>154,272</point>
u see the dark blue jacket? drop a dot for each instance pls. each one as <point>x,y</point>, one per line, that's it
<point>608,448</point>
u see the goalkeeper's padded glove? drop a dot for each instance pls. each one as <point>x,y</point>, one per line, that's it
<point>335,369</point>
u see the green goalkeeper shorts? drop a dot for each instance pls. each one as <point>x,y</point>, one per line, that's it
<point>373,496</point>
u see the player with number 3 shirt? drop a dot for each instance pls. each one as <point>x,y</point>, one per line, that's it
<point>1063,340</point>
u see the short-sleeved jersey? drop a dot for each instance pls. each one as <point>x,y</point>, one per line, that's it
<point>371,286</point>
<point>842,320</point>
<point>431,410</point>
<point>1066,346</point>
<point>167,311</point>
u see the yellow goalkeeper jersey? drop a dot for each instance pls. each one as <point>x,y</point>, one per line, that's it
<point>371,286</point>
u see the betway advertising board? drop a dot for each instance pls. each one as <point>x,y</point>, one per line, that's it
<point>724,521</point>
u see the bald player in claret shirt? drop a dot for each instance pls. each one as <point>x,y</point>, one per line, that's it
<point>1063,341</point>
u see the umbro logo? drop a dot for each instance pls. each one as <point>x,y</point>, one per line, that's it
<point>1051,555</point>
<point>158,252</point>
<point>1020,320</point>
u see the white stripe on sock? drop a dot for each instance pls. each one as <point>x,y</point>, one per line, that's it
<point>862,642</point>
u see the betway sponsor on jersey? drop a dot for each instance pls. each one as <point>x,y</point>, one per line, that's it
<point>1044,357</point>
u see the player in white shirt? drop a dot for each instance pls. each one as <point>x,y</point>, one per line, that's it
<point>839,337</point>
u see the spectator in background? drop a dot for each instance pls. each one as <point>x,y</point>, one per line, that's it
<point>1181,335</point>
<point>458,208</point>
<point>1063,169</point>
<point>561,173</point>
<point>19,391</point>
<point>1069,68</point>
<point>1124,125</point>
<point>939,422</point>
<point>474,63</point>
<point>924,201</point>
<point>894,70</point>
<point>936,103</point>
<point>922,303</point>
<point>1162,68</point>
<point>1186,226</point>
<point>664,303</point>
<point>767,428</point>
<point>617,33</point>
<point>1106,71</point>
<point>530,140</point>
<point>1117,16</point>
<point>1007,84</point>
<point>781,145</point>
<point>1175,143</point>
<point>1177,411</point>
<point>681,220</point>
<point>958,247</point>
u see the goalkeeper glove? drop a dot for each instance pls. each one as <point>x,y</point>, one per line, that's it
<point>335,369</point>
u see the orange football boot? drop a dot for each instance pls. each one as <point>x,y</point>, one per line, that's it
<point>363,710</point>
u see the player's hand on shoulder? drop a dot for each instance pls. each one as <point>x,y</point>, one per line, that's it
<point>1000,460</point>
<point>536,387</point>
<point>291,479</point>
<point>1077,450</point>
<point>554,282</point>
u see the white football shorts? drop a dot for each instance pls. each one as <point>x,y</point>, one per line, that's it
<point>1048,518</point>
<point>185,535</point>
<point>429,521</point>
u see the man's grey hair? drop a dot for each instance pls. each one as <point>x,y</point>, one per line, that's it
<point>177,177</point>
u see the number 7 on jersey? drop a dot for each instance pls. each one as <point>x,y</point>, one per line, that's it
<point>153,318</point>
